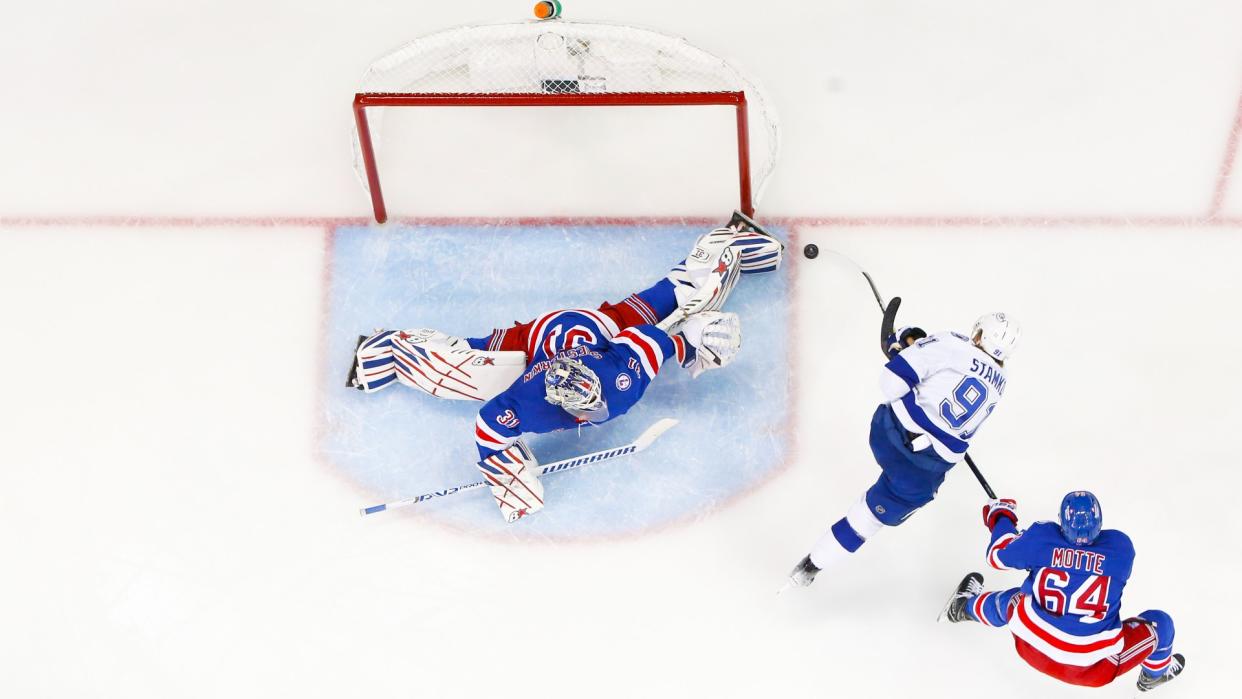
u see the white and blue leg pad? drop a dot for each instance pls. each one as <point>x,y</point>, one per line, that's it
<point>759,252</point>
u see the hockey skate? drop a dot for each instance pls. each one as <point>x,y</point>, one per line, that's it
<point>1146,682</point>
<point>760,251</point>
<point>742,223</point>
<point>803,574</point>
<point>955,609</point>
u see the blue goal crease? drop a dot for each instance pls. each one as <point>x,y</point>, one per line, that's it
<point>466,280</point>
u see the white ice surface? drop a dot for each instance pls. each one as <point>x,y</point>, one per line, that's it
<point>170,528</point>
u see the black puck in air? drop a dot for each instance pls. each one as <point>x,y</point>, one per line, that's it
<point>811,251</point>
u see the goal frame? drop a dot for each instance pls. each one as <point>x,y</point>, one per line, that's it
<point>371,100</point>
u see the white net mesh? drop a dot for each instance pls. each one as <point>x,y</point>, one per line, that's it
<point>561,57</point>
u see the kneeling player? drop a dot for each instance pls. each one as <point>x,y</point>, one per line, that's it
<point>1065,618</point>
<point>571,367</point>
<point>938,391</point>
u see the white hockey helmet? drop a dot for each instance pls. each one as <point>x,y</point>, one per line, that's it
<point>997,334</point>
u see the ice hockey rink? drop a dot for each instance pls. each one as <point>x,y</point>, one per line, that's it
<point>186,258</point>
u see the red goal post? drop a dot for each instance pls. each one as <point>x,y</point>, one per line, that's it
<point>561,64</point>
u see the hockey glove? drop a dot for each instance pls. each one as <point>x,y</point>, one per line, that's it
<point>716,338</point>
<point>996,510</point>
<point>903,338</point>
<point>512,474</point>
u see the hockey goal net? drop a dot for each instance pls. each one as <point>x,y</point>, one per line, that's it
<point>562,64</point>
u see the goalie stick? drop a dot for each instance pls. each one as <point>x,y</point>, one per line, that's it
<point>644,440</point>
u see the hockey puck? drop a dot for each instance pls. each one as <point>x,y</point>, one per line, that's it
<point>811,251</point>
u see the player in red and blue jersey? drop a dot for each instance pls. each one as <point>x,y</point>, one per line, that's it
<point>1066,616</point>
<point>577,366</point>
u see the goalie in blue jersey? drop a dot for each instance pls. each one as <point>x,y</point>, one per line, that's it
<point>574,366</point>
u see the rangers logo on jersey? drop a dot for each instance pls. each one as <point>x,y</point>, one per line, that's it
<point>623,382</point>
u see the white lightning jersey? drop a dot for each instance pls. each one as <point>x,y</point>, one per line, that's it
<point>944,387</point>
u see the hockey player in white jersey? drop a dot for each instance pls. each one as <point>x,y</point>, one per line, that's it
<point>938,390</point>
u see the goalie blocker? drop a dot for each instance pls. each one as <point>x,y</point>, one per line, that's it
<point>512,475</point>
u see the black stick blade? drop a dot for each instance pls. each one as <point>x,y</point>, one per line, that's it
<point>886,326</point>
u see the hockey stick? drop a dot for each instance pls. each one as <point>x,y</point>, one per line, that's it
<point>982,481</point>
<point>879,301</point>
<point>886,326</point>
<point>644,440</point>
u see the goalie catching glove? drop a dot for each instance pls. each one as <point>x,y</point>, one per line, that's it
<point>716,338</point>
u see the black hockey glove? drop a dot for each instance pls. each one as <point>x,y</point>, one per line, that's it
<point>903,338</point>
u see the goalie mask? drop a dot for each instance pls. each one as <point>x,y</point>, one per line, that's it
<point>571,385</point>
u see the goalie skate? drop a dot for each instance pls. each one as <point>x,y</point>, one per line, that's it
<point>758,249</point>
<point>352,380</point>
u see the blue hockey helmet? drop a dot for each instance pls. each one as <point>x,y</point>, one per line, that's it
<point>1081,517</point>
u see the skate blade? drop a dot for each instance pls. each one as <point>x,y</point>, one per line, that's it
<point>944,613</point>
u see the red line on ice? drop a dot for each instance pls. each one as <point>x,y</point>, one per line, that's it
<point>1226,163</point>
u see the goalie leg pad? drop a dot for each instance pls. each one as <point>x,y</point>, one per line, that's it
<point>704,281</point>
<point>758,253</point>
<point>374,365</point>
<point>448,367</point>
<point>512,475</point>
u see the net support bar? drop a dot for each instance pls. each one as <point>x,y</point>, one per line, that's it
<point>364,100</point>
